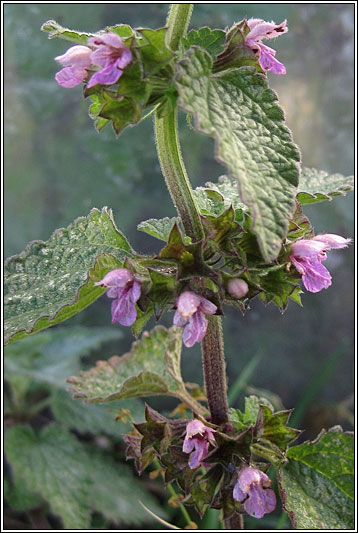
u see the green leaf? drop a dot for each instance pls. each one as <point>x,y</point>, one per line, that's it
<point>188,257</point>
<point>229,192</point>
<point>131,84</point>
<point>122,111</point>
<point>152,367</point>
<point>239,110</point>
<point>278,286</point>
<point>153,51</point>
<point>317,483</point>
<point>53,355</point>
<point>51,281</point>
<point>55,466</point>
<point>122,30</point>
<point>74,478</point>
<point>332,454</point>
<point>272,427</point>
<point>117,494</point>
<point>95,419</point>
<point>243,420</point>
<point>56,30</point>
<point>19,497</point>
<point>158,228</point>
<point>318,185</point>
<point>98,102</point>
<point>211,40</point>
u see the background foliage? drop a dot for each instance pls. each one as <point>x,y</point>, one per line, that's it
<point>57,168</point>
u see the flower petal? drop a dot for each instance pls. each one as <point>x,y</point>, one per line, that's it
<point>116,278</point>
<point>268,62</point>
<point>124,59</point>
<point>332,241</point>
<point>69,77</point>
<point>123,311</point>
<point>188,303</point>
<point>207,307</point>
<point>259,29</point>
<point>200,453</point>
<point>108,39</point>
<point>260,501</point>
<point>178,320</point>
<point>76,56</point>
<point>316,277</point>
<point>134,292</point>
<point>307,248</point>
<point>107,76</point>
<point>238,494</point>
<point>196,329</point>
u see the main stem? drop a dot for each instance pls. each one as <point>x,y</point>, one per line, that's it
<point>172,165</point>
<point>171,162</point>
<point>214,368</point>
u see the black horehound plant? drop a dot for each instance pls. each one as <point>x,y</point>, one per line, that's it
<point>243,237</point>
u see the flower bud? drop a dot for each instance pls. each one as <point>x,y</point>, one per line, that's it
<point>237,288</point>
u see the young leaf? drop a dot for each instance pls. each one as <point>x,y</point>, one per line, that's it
<point>159,228</point>
<point>51,281</point>
<point>152,367</point>
<point>153,51</point>
<point>228,189</point>
<point>318,185</point>
<point>239,110</point>
<point>56,30</point>
<point>211,40</point>
<point>317,482</point>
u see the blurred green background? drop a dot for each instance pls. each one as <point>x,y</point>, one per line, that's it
<point>57,168</point>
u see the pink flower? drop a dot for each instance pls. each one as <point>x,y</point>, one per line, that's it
<point>197,438</point>
<point>192,308</point>
<point>111,54</point>
<point>76,60</point>
<point>252,487</point>
<point>122,286</point>
<point>307,256</point>
<point>259,29</point>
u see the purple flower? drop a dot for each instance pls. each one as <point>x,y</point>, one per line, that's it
<point>76,60</point>
<point>197,438</point>
<point>193,308</point>
<point>111,54</point>
<point>259,29</point>
<point>307,256</point>
<point>123,286</point>
<point>252,487</point>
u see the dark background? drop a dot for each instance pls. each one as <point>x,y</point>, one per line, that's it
<point>57,168</point>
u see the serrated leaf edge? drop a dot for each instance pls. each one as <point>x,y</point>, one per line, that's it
<point>100,291</point>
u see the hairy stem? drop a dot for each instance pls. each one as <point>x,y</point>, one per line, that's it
<point>177,23</point>
<point>215,371</point>
<point>166,134</point>
<point>167,141</point>
<point>236,521</point>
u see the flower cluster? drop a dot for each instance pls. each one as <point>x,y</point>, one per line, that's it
<point>307,256</point>
<point>106,51</point>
